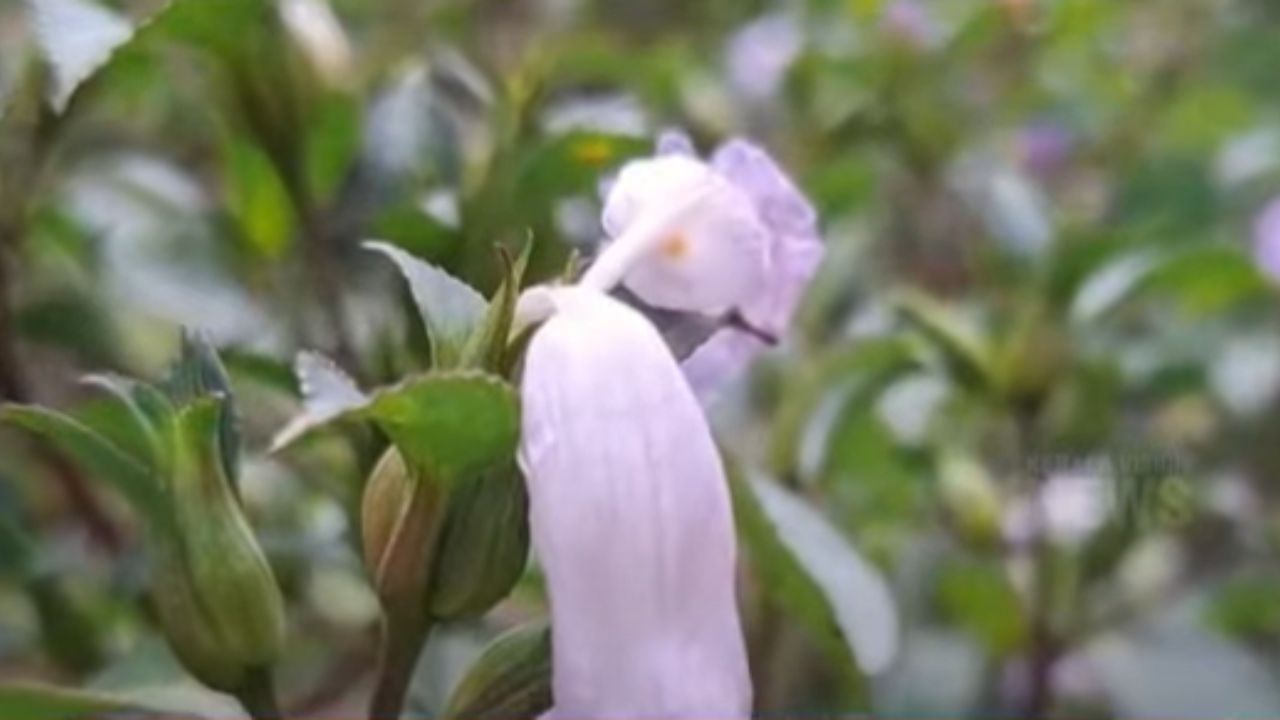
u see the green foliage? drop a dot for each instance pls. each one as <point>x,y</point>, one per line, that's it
<point>1045,267</point>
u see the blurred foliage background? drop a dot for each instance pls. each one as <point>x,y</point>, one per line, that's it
<point>1034,385</point>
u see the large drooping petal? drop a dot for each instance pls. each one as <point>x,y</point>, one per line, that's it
<point>631,520</point>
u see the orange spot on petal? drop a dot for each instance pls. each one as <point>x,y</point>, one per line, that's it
<point>675,246</point>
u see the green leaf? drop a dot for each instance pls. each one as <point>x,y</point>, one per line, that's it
<point>149,413</point>
<point>487,347</point>
<point>332,143</point>
<point>328,394</point>
<point>872,364</point>
<point>76,38</point>
<point>197,374</point>
<point>410,227</point>
<point>450,309</point>
<point>454,425</point>
<point>1199,280</point>
<point>257,198</point>
<point>451,424</point>
<point>963,349</point>
<point>42,702</point>
<point>979,597</point>
<point>510,679</point>
<point>810,568</point>
<point>95,454</point>
<point>29,701</point>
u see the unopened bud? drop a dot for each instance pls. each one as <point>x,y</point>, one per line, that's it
<point>510,679</point>
<point>970,497</point>
<point>485,544</point>
<point>401,518</point>
<point>214,592</point>
<point>461,552</point>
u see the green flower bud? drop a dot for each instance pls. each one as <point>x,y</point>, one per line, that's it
<point>970,497</point>
<point>485,545</point>
<point>214,592</point>
<point>510,679</point>
<point>401,519</point>
<point>471,545</point>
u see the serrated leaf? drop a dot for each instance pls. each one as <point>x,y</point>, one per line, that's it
<point>76,38</point>
<point>963,350</point>
<point>510,679</point>
<point>94,453</point>
<point>450,309</point>
<point>454,425</point>
<point>327,394</point>
<point>810,567</point>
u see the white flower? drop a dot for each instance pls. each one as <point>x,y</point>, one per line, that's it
<point>731,235</point>
<point>631,519</point>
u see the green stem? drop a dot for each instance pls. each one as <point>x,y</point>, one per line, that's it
<point>398,658</point>
<point>258,695</point>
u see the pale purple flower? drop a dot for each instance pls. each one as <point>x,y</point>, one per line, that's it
<point>1044,148</point>
<point>1266,240</point>
<point>909,22</point>
<point>759,55</point>
<point>630,517</point>
<point>733,235</point>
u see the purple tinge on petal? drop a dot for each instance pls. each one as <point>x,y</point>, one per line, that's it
<point>675,142</point>
<point>1266,240</point>
<point>727,353</point>
<point>632,522</point>
<point>794,264</point>
<point>781,205</point>
<point>723,357</point>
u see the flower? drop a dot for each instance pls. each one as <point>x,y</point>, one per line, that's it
<point>631,518</point>
<point>1266,240</point>
<point>733,236</point>
<point>759,55</point>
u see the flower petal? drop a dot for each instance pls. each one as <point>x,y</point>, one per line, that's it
<point>780,204</point>
<point>723,357</point>
<point>708,253</point>
<point>631,518</point>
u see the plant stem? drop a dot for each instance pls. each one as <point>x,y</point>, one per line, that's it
<point>398,658</point>
<point>1042,652</point>
<point>14,387</point>
<point>258,695</point>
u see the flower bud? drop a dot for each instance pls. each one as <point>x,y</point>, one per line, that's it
<point>485,544</point>
<point>214,592</point>
<point>401,519</point>
<point>510,679</point>
<point>471,544</point>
